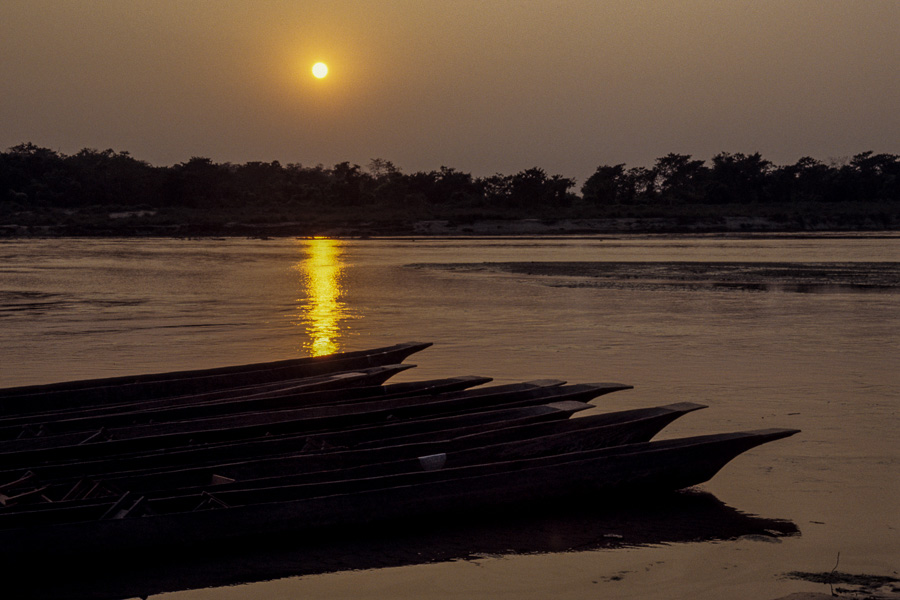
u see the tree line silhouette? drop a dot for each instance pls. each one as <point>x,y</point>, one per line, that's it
<point>740,178</point>
<point>34,178</point>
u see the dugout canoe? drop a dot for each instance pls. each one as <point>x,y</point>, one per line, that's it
<point>509,443</point>
<point>367,436</point>
<point>183,408</point>
<point>250,425</point>
<point>290,409</point>
<point>654,468</point>
<point>594,431</point>
<point>235,399</point>
<point>329,390</point>
<point>134,525</point>
<point>97,392</point>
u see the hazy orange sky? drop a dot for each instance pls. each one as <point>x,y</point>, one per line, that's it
<point>483,86</point>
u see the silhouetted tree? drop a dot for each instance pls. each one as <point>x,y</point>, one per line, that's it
<point>609,185</point>
<point>307,185</point>
<point>259,181</point>
<point>197,183</point>
<point>877,176</point>
<point>445,186</point>
<point>109,178</point>
<point>387,184</point>
<point>643,181</point>
<point>807,180</point>
<point>680,180</point>
<point>532,187</point>
<point>497,189</point>
<point>32,174</point>
<point>738,178</point>
<point>348,184</point>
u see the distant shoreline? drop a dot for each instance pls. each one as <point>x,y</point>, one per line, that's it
<point>441,228</point>
<point>107,194</point>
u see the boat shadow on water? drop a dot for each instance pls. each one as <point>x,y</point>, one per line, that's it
<point>676,517</point>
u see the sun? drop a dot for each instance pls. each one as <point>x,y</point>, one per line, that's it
<point>320,70</point>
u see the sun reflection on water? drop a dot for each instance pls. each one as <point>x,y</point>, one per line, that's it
<point>321,310</point>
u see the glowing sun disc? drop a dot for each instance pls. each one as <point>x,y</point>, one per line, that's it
<point>320,70</point>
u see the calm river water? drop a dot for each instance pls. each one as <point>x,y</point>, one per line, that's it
<point>797,332</point>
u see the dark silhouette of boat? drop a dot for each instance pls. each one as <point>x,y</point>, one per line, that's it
<point>243,463</point>
<point>113,390</point>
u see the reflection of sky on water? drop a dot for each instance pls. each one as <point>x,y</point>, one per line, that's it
<point>321,312</point>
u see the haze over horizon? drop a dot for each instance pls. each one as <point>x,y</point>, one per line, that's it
<point>484,87</point>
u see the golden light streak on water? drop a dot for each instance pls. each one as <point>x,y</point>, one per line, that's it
<point>322,312</point>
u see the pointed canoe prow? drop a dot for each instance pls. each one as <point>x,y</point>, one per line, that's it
<point>770,435</point>
<point>413,347</point>
<point>684,407</point>
<point>609,386</point>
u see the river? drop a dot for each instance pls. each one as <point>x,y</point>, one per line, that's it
<point>774,331</point>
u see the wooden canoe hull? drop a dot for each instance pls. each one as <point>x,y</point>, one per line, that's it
<point>596,431</point>
<point>324,390</point>
<point>509,443</point>
<point>31,399</point>
<point>26,453</point>
<point>199,418</point>
<point>52,430</point>
<point>367,436</point>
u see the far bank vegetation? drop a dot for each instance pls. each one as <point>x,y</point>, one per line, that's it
<point>103,192</point>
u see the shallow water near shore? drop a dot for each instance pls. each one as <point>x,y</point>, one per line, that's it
<point>800,332</point>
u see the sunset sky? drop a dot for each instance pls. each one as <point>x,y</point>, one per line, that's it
<point>484,86</point>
